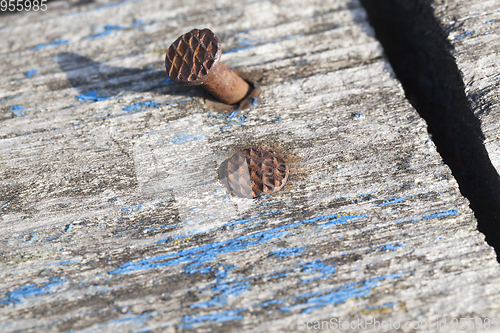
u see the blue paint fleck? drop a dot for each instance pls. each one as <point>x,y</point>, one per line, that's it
<point>18,110</point>
<point>315,267</point>
<point>18,294</point>
<point>233,114</point>
<point>181,138</point>
<point>92,96</point>
<point>392,201</point>
<point>101,34</point>
<point>226,289</point>
<point>142,106</point>
<point>113,27</point>
<point>72,261</point>
<point>108,29</point>
<point>32,238</point>
<point>390,247</point>
<point>132,209</point>
<point>288,252</point>
<point>253,101</point>
<point>333,219</point>
<point>271,302</point>
<point>465,34</point>
<point>54,43</point>
<point>452,212</point>
<point>312,301</point>
<point>68,227</point>
<point>31,73</point>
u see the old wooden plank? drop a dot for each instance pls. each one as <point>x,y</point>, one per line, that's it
<point>112,216</point>
<point>474,30</point>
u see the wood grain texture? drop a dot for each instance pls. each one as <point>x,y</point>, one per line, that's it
<point>112,215</point>
<point>474,32</point>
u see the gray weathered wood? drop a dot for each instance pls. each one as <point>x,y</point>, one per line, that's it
<point>475,34</point>
<point>112,215</point>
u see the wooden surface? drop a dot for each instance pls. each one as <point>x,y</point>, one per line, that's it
<point>474,32</point>
<point>112,215</point>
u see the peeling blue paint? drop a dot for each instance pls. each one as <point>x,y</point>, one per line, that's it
<point>271,302</point>
<point>197,256</point>
<point>233,114</point>
<point>391,201</point>
<point>390,247</point>
<point>168,82</point>
<point>31,238</point>
<point>227,288</point>
<point>92,96</point>
<point>333,219</point>
<point>311,301</point>
<point>315,267</point>
<point>465,34</point>
<point>54,43</point>
<point>17,295</point>
<point>72,261</point>
<point>288,252</point>
<point>108,29</point>
<point>181,138</point>
<point>142,106</point>
<point>452,212</point>
<point>8,97</point>
<point>132,209</point>
<point>31,72</point>
<point>18,110</point>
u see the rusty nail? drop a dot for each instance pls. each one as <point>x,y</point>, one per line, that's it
<point>254,172</point>
<point>194,59</point>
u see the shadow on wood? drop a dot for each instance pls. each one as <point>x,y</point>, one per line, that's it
<point>96,80</point>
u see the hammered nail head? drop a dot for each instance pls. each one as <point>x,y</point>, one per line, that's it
<point>254,172</point>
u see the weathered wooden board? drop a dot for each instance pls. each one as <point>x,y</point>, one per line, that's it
<point>474,32</point>
<point>112,215</point>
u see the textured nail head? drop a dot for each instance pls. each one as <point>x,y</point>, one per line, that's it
<point>191,57</point>
<point>194,59</point>
<point>254,172</point>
